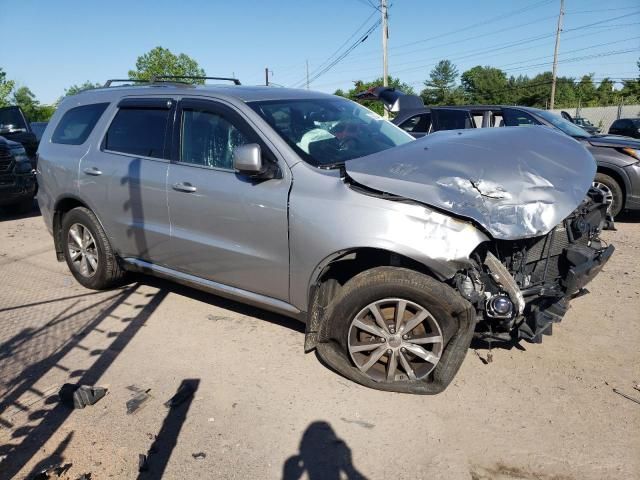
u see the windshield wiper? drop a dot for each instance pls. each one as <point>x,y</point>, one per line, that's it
<point>331,166</point>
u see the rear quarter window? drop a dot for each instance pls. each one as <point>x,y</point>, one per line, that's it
<point>77,123</point>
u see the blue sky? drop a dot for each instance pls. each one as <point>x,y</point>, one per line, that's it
<point>59,43</point>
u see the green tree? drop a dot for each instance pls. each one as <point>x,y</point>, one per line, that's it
<point>162,62</point>
<point>606,93</point>
<point>31,107</point>
<point>631,88</point>
<point>586,91</point>
<point>376,106</point>
<point>485,85</point>
<point>440,88</point>
<point>6,87</point>
<point>75,89</point>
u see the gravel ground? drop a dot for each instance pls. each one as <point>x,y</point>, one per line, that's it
<point>264,409</point>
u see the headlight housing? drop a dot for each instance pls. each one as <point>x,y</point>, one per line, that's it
<point>632,152</point>
<point>23,164</point>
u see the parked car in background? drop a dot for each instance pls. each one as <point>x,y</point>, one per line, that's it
<point>618,158</point>
<point>629,127</point>
<point>15,127</point>
<point>586,125</point>
<point>17,177</point>
<point>38,129</point>
<point>392,250</point>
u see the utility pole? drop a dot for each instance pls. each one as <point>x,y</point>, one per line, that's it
<point>385,38</point>
<point>307,74</point>
<point>555,56</point>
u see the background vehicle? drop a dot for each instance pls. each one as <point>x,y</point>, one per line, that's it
<point>583,123</point>
<point>17,178</point>
<point>388,257</point>
<point>38,129</point>
<point>629,127</point>
<point>618,158</point>
<point>15,127</point>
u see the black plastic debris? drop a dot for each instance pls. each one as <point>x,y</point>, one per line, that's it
<point>199,455</point>
<point>185,391</point>
<point>79,396</point>
<point>51,470</point>
<point>140,397</point>
<point>143,463</point>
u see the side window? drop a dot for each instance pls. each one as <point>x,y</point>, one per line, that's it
<point>138,131</point>
<point>444,119</point>
<point>515,118</point>
<point>76,124</point>
<point>419,123</point>
<point>208,139</point>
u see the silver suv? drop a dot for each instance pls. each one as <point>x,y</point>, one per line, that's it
<point>393,251</point>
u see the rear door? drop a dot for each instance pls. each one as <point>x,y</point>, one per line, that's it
<point>125,179</point>
<point>226,227</point>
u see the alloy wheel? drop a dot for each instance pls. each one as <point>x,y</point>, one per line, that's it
<point>608,194</point>
<point>395,339</point>
<point>83,250</point>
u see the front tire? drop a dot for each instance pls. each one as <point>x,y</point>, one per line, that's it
<point>398,330</point>
<point>612,191</point>
<point>88,252</point>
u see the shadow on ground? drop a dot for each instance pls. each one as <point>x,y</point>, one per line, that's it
<point>10,213</point>
<point>322,455</point>
<point>20,396</point>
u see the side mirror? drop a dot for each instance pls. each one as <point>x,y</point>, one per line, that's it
<point>247,159</point>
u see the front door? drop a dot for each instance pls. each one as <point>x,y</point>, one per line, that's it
<point>226,227</point>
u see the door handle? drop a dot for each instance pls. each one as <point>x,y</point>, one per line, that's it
<point>184,187</point>
<point>95,171</point>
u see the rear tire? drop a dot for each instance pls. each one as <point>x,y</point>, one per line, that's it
<point>88,252</point>
<point>613,192</point>
<point>397,352</point>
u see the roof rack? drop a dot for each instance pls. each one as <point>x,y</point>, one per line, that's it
<point>169,79</point>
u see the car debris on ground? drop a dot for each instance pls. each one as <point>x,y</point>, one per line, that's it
<point>79,396</point>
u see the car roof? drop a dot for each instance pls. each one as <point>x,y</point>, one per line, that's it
<point>490,107</point>
<point>238,92</point>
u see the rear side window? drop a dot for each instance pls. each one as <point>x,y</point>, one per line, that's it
<point>138,131</point>
<point>419,123</point>
<point>452,120</point>
<point>76,124</point>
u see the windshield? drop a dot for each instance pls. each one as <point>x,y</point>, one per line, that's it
<point>330,131</point>
<point>11,120</point>
<point>564,125</point>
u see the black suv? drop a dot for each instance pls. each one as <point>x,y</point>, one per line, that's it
<point>629,127</point>
<point>18,146</point>
<point>618,158</point>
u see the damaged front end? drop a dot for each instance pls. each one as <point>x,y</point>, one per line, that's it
<point>520,288</point>
<point>529,190</point>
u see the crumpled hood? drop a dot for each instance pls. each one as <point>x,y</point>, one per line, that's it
<point>516,182</point>
<point>616,141</point>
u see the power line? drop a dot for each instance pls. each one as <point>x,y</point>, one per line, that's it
<point>329,59</point>
<point>474,25</point>
<point>346,52</point>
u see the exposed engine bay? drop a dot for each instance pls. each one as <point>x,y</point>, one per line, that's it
<point>521,287</point>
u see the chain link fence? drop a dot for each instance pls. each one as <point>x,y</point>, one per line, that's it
<point>603,117</point>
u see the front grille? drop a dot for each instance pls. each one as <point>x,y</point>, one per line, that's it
<point>7,180</point>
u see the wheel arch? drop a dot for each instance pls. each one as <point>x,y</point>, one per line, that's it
<point>62,206</point>
<point>618,176</point>
<point>336,269</point>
